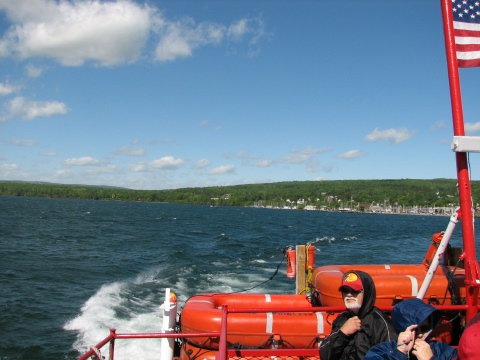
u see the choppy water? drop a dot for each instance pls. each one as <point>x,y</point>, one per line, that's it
<point>72,269</point>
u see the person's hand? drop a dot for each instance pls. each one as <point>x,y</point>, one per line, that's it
<point>422,350</point>
<point>351,326</point>
<point>406,339</point>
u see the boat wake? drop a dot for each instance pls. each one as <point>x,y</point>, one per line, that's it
<point>133,306</point>
<point>122,306</point>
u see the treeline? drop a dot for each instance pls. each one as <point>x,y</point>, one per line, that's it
<point>332,194</point>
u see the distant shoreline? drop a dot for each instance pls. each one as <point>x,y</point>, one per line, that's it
<point>404,196</point>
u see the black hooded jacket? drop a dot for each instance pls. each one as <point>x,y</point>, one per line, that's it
<point>376,328</point>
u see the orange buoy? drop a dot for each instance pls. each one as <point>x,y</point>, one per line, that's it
<point>436,240</point>
<point>291,263</point>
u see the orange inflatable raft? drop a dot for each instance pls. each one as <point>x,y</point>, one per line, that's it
<point>191,352</point>
<point>203,313</point>
<point>393,283</point>
<point>292,329</point>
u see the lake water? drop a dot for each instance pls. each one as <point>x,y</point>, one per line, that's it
<point>72,269</point>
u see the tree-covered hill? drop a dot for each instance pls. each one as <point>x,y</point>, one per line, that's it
<point>331,194</point>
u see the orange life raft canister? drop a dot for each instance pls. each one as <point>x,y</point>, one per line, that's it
<point>432,250</point>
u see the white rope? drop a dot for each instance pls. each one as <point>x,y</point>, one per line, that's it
<point>97,354</point>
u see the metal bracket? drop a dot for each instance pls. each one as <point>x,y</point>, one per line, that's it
<point>466,144</point>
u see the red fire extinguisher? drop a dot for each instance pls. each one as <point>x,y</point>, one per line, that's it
<point>291,263</point>
<point>436,240</point>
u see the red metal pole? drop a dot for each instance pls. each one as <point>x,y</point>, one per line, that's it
<point>113,333</point>
<point>466,208</point>
<point>90,352</point>
<point>222,346</point>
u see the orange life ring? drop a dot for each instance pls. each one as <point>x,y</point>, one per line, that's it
<point>203,313</point>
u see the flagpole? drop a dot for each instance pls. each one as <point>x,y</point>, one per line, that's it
<point>466,208</point>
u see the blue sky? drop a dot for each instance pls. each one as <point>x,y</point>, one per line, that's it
<point>173,94</point>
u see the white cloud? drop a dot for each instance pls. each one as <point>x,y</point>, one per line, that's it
<point>350,155</point>
<point>108,33</point>
<point>103,169</point>
<point>23,142</point>
<point>264,163</point>
<point>201,164</point>
<point>439,125</point>
<point>7,89</point>
<point>30,110</point>
<point>395,136</point>
<point>8,167</point>
<point>138,167</point>
<point>34,71</point>
<point>49,153</point>
<point>223,169</point>
<point>129,151</point>
<point>299,157</point>
<point>167,163</point>
<point>83,161</point>
<point>164,163</point>
<point>179,39</point>
<point>244,155</point>
<point>238,29</point>
<point>245,27</point>
<point>472,127</point>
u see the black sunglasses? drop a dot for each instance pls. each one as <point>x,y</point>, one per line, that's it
<point>351,291</point>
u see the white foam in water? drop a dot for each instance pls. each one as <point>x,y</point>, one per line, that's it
<point>116,306</point>
<point>330,239</point>
<point>98,316</point>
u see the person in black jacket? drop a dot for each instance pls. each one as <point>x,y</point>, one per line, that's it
<point>362,325</point>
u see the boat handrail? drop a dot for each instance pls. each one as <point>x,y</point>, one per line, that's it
<point>110,339</point>
<point>223,352</point>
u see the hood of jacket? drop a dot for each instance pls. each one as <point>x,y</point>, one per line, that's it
<point>369,293</point>
<point>413,311</point>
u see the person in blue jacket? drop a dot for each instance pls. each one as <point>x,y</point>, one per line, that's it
<point>414,320</point>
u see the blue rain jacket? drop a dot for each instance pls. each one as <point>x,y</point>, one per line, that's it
<point>404,314</point>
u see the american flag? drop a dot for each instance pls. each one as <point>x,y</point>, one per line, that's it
<point>466,24</point>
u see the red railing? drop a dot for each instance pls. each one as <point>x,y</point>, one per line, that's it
<point>113,336</point>
<point>223,352</point>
